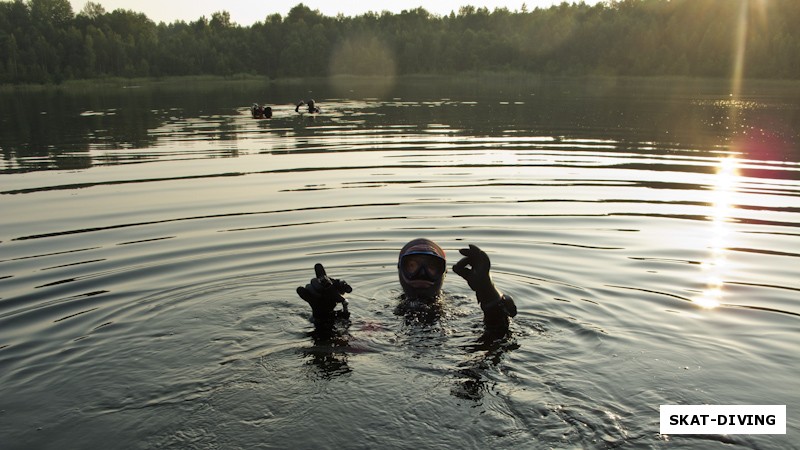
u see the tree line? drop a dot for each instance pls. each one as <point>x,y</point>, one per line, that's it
<point>45,41</point>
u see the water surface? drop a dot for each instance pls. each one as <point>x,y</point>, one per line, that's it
<point>153,236</point>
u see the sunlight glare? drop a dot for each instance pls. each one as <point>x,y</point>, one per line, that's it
<point>725,182</point>
<point>747,8</point>
<point>761,9</point>
<point>740,49</point>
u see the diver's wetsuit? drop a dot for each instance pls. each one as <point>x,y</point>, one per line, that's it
<point>312,109</point>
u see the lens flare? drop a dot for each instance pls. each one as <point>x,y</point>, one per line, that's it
<point>364,63</point>
<point>740,48</point>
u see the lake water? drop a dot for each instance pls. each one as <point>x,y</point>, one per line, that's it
<point>153,236</point>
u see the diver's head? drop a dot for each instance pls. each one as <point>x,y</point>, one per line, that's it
<point>422,268</point>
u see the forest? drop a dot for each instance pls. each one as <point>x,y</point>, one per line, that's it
<point>45,41</point>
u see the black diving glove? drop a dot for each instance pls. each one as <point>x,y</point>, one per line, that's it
<point>474,268</point>
<point>322,294</point>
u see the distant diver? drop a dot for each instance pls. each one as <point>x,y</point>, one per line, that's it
<point>260,112</point>
<point>312,109</point>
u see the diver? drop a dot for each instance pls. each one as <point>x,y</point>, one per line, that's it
<point>312,108</point>
<point>421,268</point>
<point>260,112</point>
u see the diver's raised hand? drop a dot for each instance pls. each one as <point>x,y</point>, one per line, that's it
<point>474,267</point>
<point>323,293</point>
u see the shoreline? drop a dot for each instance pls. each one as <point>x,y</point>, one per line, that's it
<point>139,82</point>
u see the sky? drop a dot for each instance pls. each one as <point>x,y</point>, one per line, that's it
<point>247,12</point>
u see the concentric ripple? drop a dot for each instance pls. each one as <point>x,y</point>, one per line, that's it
<point>147,279</point>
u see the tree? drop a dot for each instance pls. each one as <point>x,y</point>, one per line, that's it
<point>92,10</point>
<point>55,12</point>
<point>42,41</point>
<point>221,20</point>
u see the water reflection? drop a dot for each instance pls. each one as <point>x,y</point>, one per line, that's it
<point>328,357</point>
<point>474,375</point>
<point>170,283</point>
<point>70,128</point>
<point>714,268</point>
<point>422,331</point>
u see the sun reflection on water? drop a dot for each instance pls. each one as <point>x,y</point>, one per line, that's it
<point>714,268</point>
<point>727,174</point>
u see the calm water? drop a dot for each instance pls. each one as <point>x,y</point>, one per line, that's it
<point>152,239</point>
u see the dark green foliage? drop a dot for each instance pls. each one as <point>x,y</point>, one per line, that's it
<point>43,41</point>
